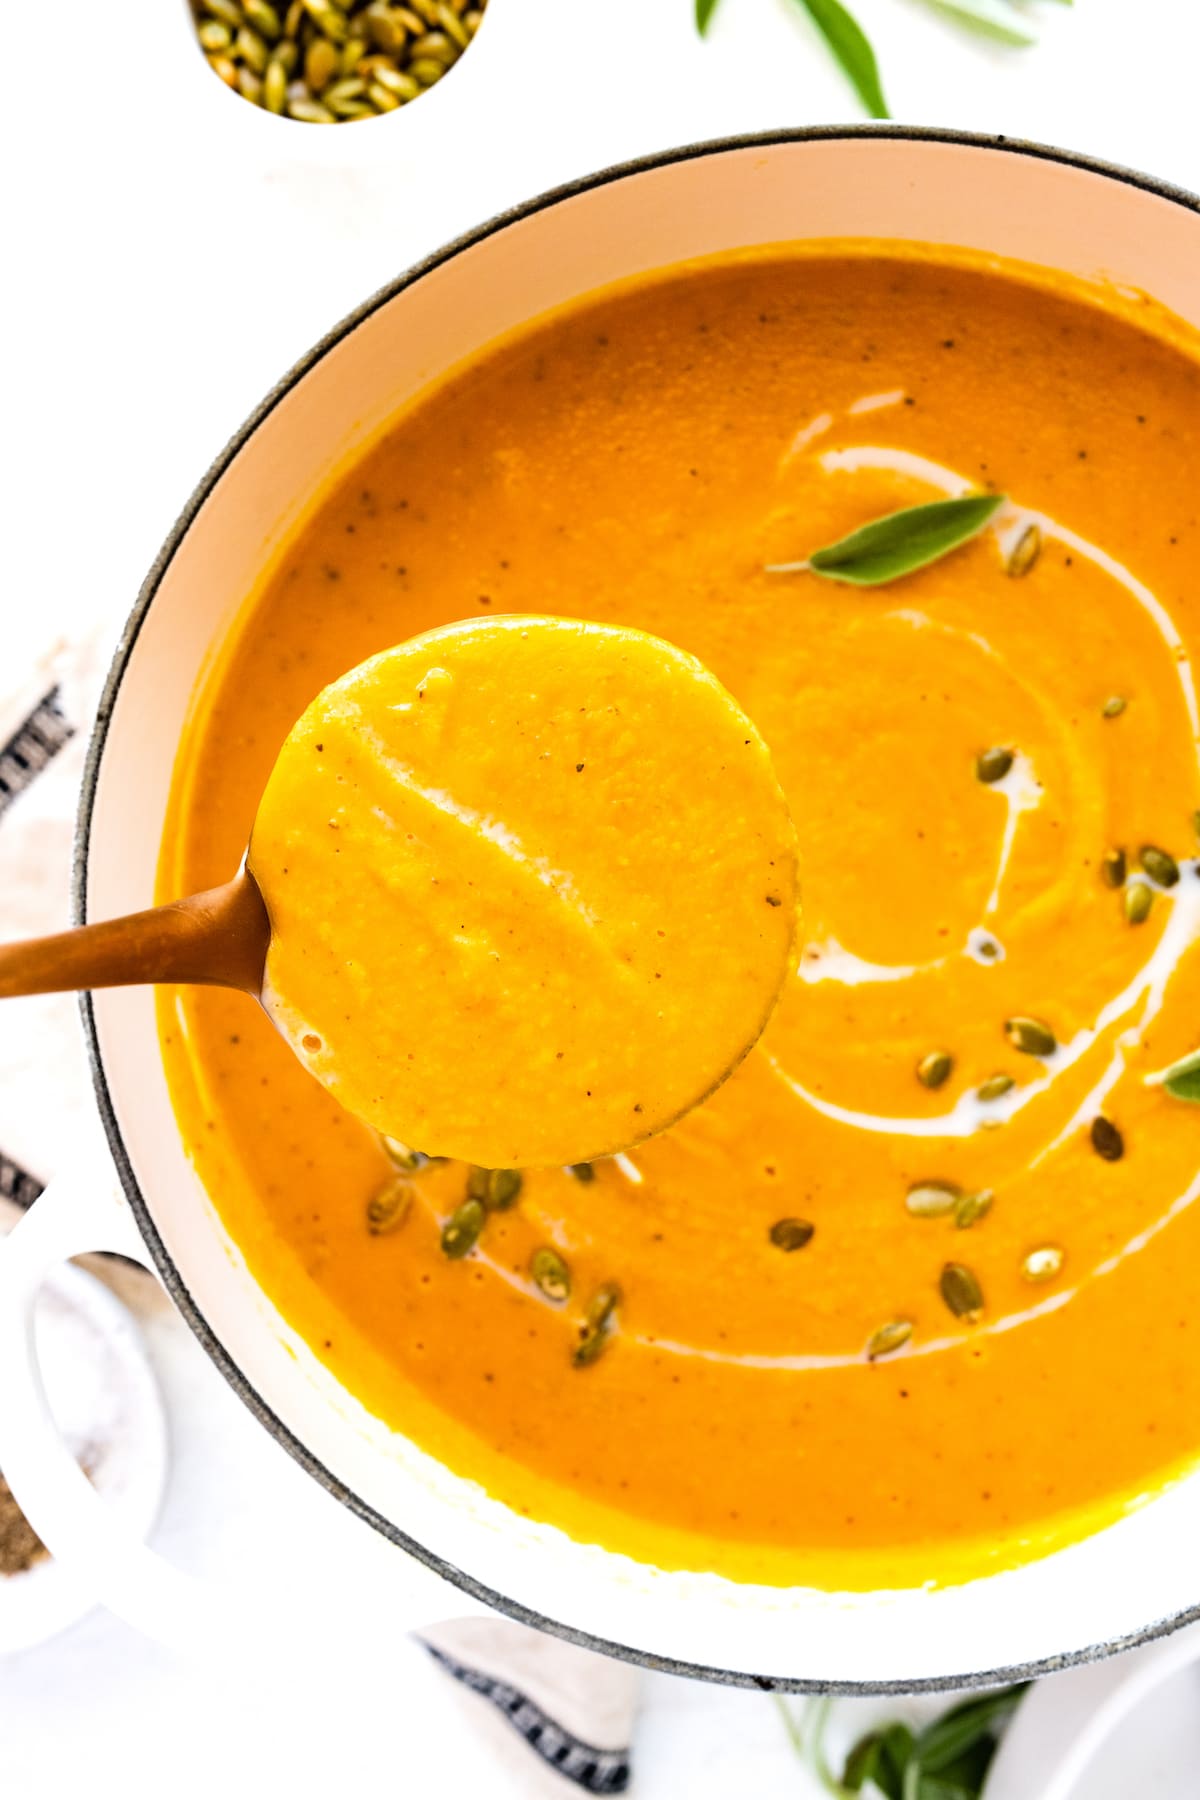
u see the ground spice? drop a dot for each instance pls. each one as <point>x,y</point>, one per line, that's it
<point>20,1545</point>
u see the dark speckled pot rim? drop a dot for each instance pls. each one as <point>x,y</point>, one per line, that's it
<point>171,1277</point>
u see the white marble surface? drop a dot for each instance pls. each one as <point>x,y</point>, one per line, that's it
<point>165,263</point>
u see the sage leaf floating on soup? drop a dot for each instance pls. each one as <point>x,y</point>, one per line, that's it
<point>900,543</point>
<point>1182,1079</point>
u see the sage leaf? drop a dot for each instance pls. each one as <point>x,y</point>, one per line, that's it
<point>993,19</point>
<point>900,542</point>
<point>1182,1079</point>
<point>960,1730</point>
<point>852,48</point>
<point>704,12</point>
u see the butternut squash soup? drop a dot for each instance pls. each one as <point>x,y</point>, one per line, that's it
<point>556,837</point>
<point>915,1294</point>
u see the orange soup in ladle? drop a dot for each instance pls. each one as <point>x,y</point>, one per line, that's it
<point>519,892</point>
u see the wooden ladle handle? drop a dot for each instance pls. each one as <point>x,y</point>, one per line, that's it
<point>218,938</point>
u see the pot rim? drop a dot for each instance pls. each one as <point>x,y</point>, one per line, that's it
<point>169,1274</point>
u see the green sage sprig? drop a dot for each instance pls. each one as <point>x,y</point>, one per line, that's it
<point>900,542</point>
<point>948,1759</point>
<point>998,20</point>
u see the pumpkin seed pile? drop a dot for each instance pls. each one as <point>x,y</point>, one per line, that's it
<point>329,62</point>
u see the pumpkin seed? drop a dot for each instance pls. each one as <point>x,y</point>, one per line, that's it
<point>582,1171</point>
<point>960,1289</point>
<point>1112,868</point>
<point>343,90</point>
<point>294,20</point>
<point>1114,706</point>
<point>287,55</point>
<point>275,86</point>
<point>320,65</point>
<point>932,1199</point>
<point>994,764</point>
<point>1042,1264</point>
<point>504,1187</point>
<point>495,1189</point>
<point>453,26</point>
<point>225,68</point>
<point>214,35</point>
<point>888,1338</point>
<point>388,1209</point>
<point>1032,1037</point>
<point>426,70</point>
<point>1159,865</point>
<point>791,1234</point>
<point>473,20</point>
<point>598,1324</point>
<point>383,28</point>
<point>401,85</point>
<point>402,1156</point>
<point>1106,1139</point>
<point>227,11</point>
<point>995,1087</point>
<point>328,19</point>
<point>265,20</point>
<point>437,45</point>
<point>461,1231</point>
<point>381,98</point>
<point>973,1207</point>
<point>250,47</point>
<point>1025,551</point>
<point>1139,898</point>
<point>249,85</point>
<point>550,1273</point>
<point>935,1069</point>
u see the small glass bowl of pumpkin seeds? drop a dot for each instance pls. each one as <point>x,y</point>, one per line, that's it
<point>331,62</point>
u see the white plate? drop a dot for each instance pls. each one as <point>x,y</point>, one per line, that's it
<point>107,1405</point>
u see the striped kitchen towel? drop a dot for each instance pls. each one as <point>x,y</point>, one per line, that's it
<point>556,1718</point>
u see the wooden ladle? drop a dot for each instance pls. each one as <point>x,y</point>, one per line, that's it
<point>218,939</point>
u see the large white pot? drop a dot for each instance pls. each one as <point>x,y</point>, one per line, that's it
<point>1138,1578</point>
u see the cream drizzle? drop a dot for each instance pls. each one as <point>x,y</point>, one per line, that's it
<point>969,1113</point>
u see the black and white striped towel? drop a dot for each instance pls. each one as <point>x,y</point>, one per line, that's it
<point>557,1718</point>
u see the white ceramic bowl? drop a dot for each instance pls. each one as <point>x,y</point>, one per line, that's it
<point>1137,1578</point>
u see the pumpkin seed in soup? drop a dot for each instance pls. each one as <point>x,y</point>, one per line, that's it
<point>791,1234</point>
<point>550,1274</point>
<point>388,1209</point>
<point>597,1328</point>
<point>1114,706</point>
<point>582,1171</point>
<point>1106,1139</point>
<point>972,1208</point>
<point>1043,1264</point>
<point>889,1338</point>
<point>1159,865</point>
<point>995,1087</point>
<point>495,1189</point>
<point>460,1233</point>
<point>1024,552</point>
<point>994,764</point>
<point>1139,898</point>
<point>935,1069</point>
<point>1032,1037</point>
<point>960,1289</point>
<point>932,1199</point>
<point>1112,868</point>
